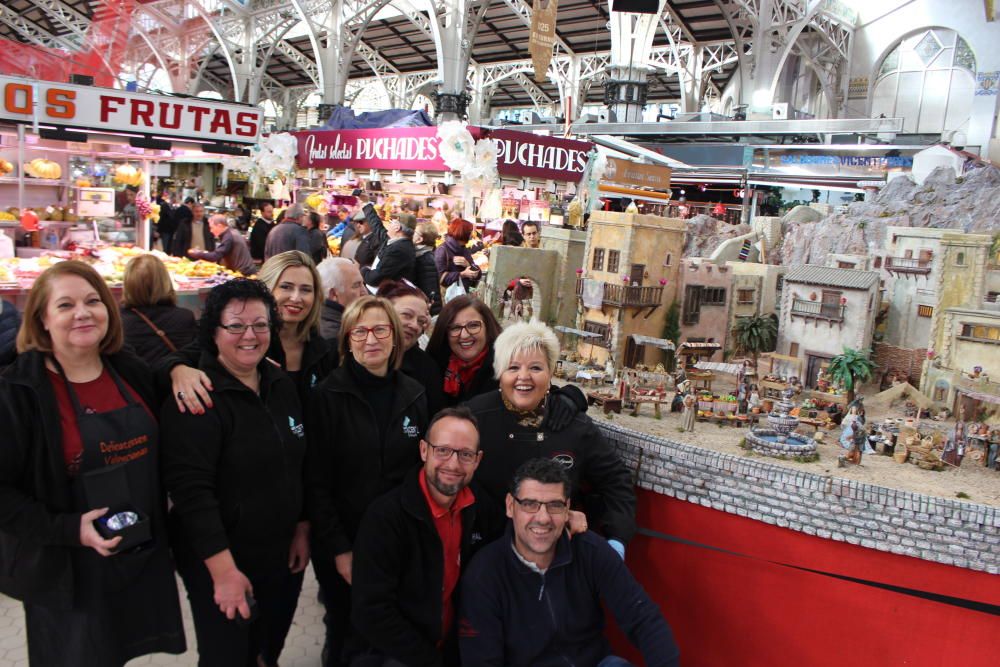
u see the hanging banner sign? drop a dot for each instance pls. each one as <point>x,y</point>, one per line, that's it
<point>105,109</point>
<point>416,149</point>
<point>542,39</point>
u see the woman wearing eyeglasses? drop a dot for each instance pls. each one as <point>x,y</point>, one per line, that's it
<point>298,348</point>
<point>365,424</point>
<point>235,476</point>
<point>462,346</point>
<point>514,427</point>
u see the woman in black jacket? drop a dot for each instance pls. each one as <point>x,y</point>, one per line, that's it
<point>154,325</point>
<point>299,349</point>
<point>79,446</point>
<point>365,424</point>
<point>412,308</point>
<point>462,346</point>
<point>235,476</point>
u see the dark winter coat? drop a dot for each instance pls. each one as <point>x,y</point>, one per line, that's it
<point>397,261</point>
<point>288,235</point>
<point>601,483</point>
<point>181,242</point>
<point>446,267</point>
<point>329,321</point>
<point>513,614</point>
<point>483,382</point>
<point>258,237</point>
<point>39,525</point>
<point>10,323</point>
<point>428,279</point>
<point>231,251</point>
<point>349,463</point>
<point>176,323</point>
<point>318,249</point>
<point>371,245</point>
<point>235,473</point>
<point>419,366</point>
<point>399,573</point>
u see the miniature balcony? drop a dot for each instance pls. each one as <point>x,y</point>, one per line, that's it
<point>908,265</point>
<point>834,312</point>
<point>627,296</point>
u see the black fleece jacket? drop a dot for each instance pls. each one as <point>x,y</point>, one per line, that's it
<point>348,464</point>
<point>235,473</point>
<point>602,485</point>
<point>513,614</point>
<point>39,521</point>
<point>399,573</point>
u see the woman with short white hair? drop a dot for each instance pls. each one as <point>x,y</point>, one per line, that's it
<point>513,428</point>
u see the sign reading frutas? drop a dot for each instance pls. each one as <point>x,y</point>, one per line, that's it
<point>89,108</point>
<point>543,36</point>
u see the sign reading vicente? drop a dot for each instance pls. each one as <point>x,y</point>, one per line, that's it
<point>90,108</point>
<point>416,148</point>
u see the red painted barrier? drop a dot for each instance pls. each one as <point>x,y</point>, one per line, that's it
<point>757,607</point>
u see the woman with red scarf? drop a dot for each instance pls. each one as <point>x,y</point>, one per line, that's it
<point>462,346</point>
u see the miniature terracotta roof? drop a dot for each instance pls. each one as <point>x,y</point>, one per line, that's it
<point>826,275</point>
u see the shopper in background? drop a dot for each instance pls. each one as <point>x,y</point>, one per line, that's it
<point>413,309</point>
<point>299,349</point>
<point>166,225</point>
<point>241,218</point>
<point>373,232</point>
<point>398,258</point>
<point>183,215</point>
<point>342,285</point>
<point>365,424</point>
<point>193,234</point>
<point>509,234</point>
<point>235,478</point>
<point>262,226</point>
<point>318,249</point>
<point>454,259</point>
<point>462,347</point>
<point>425,242</point>
<point>71,393</point>
<point>288,234</point>
<point>153,323</point>
<point>530,232</point>
<point>231,249</point>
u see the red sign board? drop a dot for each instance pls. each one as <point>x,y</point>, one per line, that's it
<point>416,148</point>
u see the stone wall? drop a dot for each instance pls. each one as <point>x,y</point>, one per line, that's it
<point>945,531</point>
<point>892,358</point>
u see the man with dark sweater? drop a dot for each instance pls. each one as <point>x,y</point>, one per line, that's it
<point>533,598</point>
<point>261,228</point>
<point>230,250</point>
<point>410,547</point>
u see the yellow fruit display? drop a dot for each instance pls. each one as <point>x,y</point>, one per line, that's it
<point>42,168</point>
<point>5,167</point>
<point>126,174</point>
<point>7,217</point>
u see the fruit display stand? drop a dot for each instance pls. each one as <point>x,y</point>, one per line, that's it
<point>192,279</point>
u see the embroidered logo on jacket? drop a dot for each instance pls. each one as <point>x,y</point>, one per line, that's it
<point>410,430</point>
<point>565,459</point>
<point>297,429</point>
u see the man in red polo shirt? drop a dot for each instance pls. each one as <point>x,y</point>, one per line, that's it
<point>411,546</point>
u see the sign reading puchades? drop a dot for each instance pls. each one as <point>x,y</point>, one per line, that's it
<point>519,154</point>
<point>103,109</point>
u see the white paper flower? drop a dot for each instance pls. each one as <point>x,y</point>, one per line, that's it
<point>456,145</point>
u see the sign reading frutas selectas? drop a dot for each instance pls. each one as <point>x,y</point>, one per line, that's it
<point>104,109</point>
<point>416,149</point>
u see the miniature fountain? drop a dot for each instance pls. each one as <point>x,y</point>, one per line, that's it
<point>778,438</point>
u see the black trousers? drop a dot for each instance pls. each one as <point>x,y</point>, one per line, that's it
<point>336,596</point>
<point>225,643</point>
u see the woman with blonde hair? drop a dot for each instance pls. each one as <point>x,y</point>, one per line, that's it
<point>514,426</point>
<point>298,349</point>
<point>364,425</point>
<point>83,539</point>
<point>154,325</point>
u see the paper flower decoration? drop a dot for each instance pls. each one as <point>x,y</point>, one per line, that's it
<point>663,281</point>
<point>579,271</point>
<point>456,145</point>
<point>626,279</point>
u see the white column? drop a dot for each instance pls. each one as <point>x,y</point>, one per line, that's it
<point>631,40</point>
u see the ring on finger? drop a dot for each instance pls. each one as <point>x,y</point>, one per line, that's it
<point>180,395</point>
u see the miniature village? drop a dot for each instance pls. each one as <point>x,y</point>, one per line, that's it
<point>856,341</point>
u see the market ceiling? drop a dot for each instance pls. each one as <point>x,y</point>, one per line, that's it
<point>503,36</point>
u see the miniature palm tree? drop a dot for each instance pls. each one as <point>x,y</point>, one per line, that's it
<point>851,368</point>
<point>755,334</point>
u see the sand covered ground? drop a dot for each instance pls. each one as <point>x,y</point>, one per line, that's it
<point>978,483</point>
